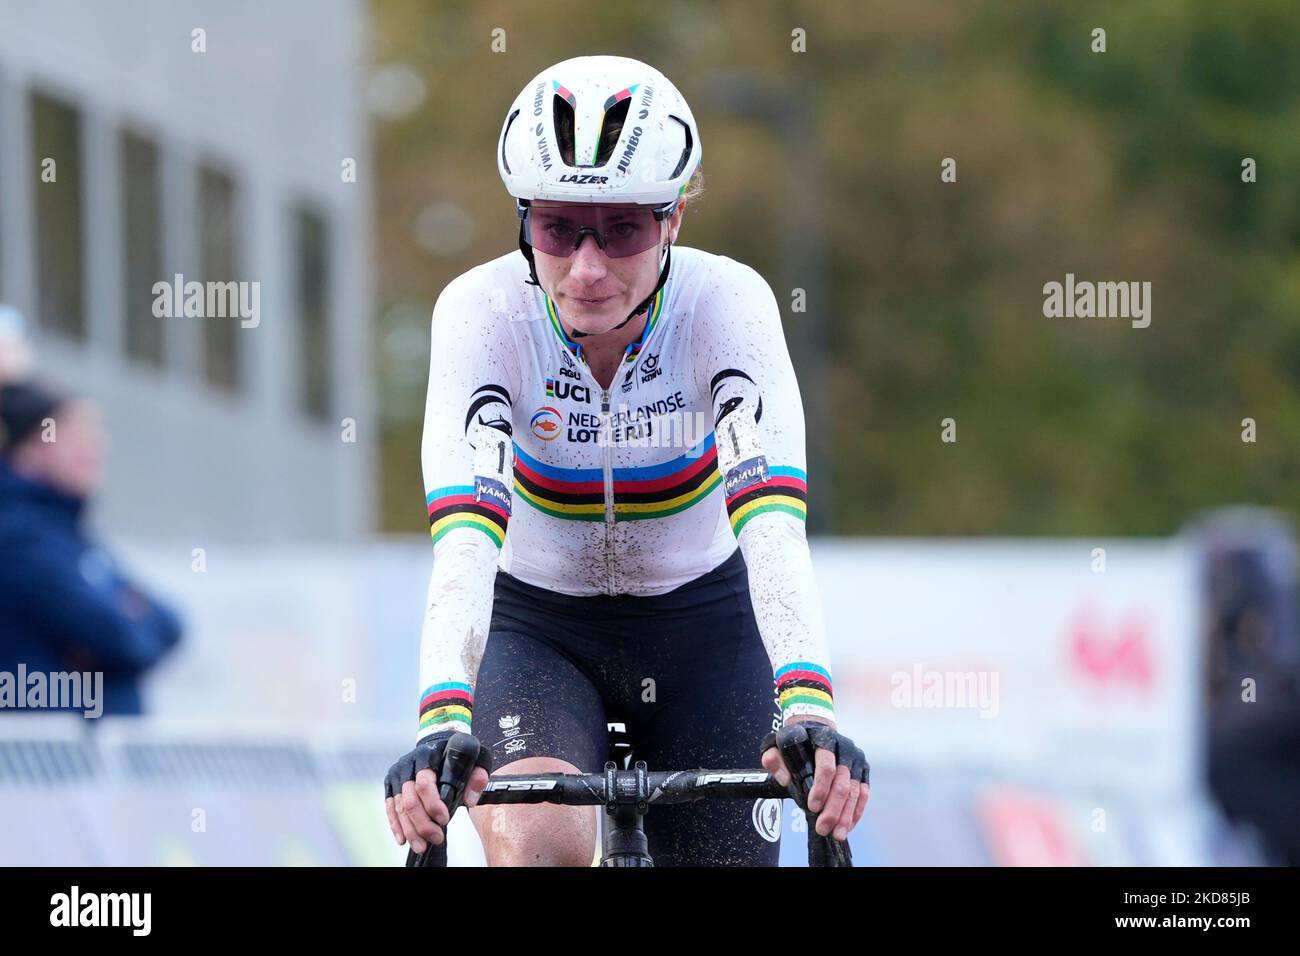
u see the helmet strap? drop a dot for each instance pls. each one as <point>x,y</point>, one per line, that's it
<point>527,250</point>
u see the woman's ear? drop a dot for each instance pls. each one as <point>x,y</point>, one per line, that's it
<point>675,222</point>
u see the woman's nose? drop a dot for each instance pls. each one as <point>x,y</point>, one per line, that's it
<point>587,263</point>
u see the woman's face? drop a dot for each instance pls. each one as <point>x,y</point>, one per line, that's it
<point>593,292</point>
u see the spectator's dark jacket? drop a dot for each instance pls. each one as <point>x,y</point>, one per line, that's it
<point>63,604</point>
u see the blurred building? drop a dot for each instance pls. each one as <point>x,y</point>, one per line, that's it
<point>213,141</point>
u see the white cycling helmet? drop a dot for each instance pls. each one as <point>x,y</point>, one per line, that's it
<point>605,129</point>
<point>599,129</point>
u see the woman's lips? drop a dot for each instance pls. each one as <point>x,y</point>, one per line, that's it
<point>600,301</point>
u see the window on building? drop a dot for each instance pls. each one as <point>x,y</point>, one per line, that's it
<point>142,246</point>
<point>56,155</point>
<point>219,255</point>
<point>311,234</point>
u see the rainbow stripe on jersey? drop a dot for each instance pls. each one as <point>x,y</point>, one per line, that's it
<point>785,490</point>
<point>447,706</point>
<point>455,507</point>
<point>650,491</point>
<point>803,688</point>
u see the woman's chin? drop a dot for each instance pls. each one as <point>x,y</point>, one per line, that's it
<point>594,319</point>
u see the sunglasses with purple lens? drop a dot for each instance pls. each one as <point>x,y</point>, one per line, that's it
<point>619,231</point>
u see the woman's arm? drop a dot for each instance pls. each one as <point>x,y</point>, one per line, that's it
<point>468,463</point>
<point>741,358</point>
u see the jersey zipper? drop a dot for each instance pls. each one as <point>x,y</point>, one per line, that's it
<point>608,456</point>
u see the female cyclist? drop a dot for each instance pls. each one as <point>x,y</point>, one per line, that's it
<point>613,457</point>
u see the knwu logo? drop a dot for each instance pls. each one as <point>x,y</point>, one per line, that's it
<point>650,368</point>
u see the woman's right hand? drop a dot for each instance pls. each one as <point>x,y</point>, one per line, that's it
<point>416,812</point>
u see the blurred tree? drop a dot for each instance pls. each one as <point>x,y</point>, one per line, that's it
<point>1123,165</point>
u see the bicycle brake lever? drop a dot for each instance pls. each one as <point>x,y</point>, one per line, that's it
<point>457,764</point>
<point>797,751</point>
<point>799,757</point>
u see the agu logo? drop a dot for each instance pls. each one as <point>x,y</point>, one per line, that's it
<point>546,423</point>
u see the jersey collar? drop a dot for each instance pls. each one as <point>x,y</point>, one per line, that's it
<point>634,348</point>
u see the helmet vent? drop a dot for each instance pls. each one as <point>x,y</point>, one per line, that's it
<point>564,128</point>
<point>510,121</point>
<point>611,129</point>
<point>686,150</point>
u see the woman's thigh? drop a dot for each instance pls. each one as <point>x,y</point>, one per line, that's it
<point>537,712</point>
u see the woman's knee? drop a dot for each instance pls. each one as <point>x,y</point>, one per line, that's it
<point>536,834</point>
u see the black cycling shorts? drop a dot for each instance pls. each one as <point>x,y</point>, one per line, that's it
<point>686,673</point>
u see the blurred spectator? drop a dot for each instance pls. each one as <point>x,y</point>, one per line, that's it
<point>1252,583</point>
<point>63,604</point>
<point>15,356</point>
<point>1253,699</point>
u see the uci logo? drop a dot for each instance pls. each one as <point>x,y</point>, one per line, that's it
<point>546,422</point>
<point>579,393</point>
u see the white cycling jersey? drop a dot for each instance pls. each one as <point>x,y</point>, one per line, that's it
<point>531,466</point>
